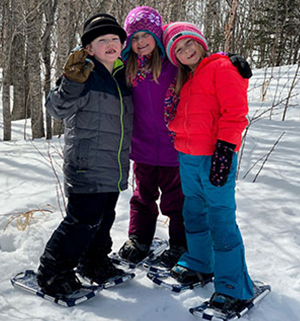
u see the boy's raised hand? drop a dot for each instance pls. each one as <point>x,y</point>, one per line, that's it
<point>76,68</point>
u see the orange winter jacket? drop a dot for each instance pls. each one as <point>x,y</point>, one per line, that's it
<point>213,105</point>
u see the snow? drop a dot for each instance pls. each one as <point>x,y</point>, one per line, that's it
<point>267,193</point>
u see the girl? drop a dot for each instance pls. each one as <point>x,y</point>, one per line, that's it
<point>208,124</point>
<point>156,168</point>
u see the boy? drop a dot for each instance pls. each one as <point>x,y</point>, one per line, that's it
<point>96,105</point>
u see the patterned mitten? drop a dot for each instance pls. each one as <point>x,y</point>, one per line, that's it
<point>221,163</point>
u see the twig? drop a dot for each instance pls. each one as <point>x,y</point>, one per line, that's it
<point>293,85</point>
<point>250,169</point>
<point>273,147</point>
<point>241,151</point>
<point>59,189</point>
<point>49,160</point>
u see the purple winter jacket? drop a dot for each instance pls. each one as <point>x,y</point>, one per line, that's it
<point>151,143</point>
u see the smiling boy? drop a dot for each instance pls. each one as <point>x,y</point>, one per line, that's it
<point>96,106</point>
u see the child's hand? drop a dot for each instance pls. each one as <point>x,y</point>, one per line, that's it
<point>76,68</point>
<point>221,163</point>
<point>241,64</point>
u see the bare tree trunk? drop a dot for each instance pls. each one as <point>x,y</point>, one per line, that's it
<point>63,50</point>
<point>49,12</point>
<point>6,46</point>
<point>34,68</point>
<point>214,25</point>
<point>173,10</point>
<point>229,25</point>
<point>292,87</point>
<point>18,61</point>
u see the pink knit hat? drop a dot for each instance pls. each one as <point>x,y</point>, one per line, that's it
<point>175,31</point>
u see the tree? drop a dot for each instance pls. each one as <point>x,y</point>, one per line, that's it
<point>37,36</point>
<point>63,50</point>
<point>6,67</point>
<point>33,45</point>
<point>18,50</point>
<point>49,9</point>
<point>229,26</point>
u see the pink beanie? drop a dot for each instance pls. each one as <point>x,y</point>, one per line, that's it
<point>175,31</point>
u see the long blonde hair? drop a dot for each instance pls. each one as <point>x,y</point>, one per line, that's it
<point>184,71</point>
<point>154,64</point>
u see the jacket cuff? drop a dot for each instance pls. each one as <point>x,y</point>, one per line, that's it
<point>71,88</point>
<point>223,144</point>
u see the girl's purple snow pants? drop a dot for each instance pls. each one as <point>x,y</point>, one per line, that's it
<point>153,182</point>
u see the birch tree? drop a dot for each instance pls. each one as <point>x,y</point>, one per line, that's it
<point>49,10</point>
<point>229,25</point>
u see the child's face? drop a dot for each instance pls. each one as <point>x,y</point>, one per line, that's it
<point>106,49</point>
<point>189,52</point>
<point>143,43</point>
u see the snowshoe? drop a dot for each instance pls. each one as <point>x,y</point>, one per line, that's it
<point>27,281</point>
<point>186,279</point>
<point>103,272</point>
<point>157,247</point>
<point>224,308</point>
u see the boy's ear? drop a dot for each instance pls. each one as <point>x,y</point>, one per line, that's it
<point>89,49</point>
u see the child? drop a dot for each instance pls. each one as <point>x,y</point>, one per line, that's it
<point>210,118</point>
<point>156,168</point>
<point>95,103</point>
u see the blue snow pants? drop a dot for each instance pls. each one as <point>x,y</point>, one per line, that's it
<point>214,240</point>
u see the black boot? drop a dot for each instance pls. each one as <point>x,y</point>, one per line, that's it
<point>99,270</point>
<point>187,276</point>
<point>171,256</point>
<point>134,251</point>
<point>225,303</point>
<point>59,285</point>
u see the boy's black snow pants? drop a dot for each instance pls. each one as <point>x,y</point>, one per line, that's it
<point>84,231</point>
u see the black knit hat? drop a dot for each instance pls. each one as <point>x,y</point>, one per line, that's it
<point>99,25</point>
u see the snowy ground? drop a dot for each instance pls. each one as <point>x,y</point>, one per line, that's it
<point>268,215</point>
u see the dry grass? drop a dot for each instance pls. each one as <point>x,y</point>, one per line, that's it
<point>23,220</point>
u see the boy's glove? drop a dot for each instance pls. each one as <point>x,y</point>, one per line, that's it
<point>76,68</point>
<point>241,64</point>
<point>221,163</point>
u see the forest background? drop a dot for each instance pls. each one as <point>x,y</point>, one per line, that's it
<point>36,37</point>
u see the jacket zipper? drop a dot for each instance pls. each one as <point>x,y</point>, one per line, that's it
<point>122,133</point>
<point>186,118</point>
<point>153,121</point>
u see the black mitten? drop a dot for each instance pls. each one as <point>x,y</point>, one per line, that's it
<point>221,163</point>
<point>241,64</point>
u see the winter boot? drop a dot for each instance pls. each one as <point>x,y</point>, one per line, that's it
<point>99,271</point>
<point>186,276</point>
<point>171,256</point>
<point>225,303</point>
<point>59,285</point>
<point>134,251</point>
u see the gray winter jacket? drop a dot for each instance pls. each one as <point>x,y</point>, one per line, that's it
<point>98,116</point>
